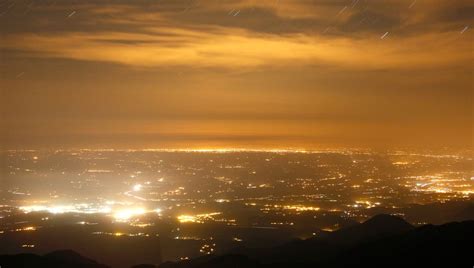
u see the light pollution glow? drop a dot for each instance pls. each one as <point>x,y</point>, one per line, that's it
<point>125,214</point>
<point>199,218</point>
<point>118,214</point>
<point>290,74</point>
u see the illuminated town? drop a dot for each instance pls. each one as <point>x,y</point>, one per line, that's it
<point>199,202</point>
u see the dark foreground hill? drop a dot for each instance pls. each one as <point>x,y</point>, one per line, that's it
<point>381,241</point>
<point>56,259</point>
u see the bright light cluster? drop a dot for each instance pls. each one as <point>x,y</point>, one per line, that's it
<point>137,187</point>
<point>366,204</point>
<point>119,214</point>
<point>60,209</point>
<point>126,214</point>
<point>199,218</point>
<point>300,208</point>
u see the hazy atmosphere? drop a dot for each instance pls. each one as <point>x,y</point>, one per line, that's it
<point>246,74</point>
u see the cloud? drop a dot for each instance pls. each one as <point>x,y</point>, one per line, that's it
<point>236,48</point>
<point>265,33</point>
<point>306,68</point>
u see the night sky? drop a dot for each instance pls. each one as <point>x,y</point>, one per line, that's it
<point>229,73</point>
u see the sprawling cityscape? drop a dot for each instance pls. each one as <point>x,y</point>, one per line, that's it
<point>180,204</point>
<point>236,133</point>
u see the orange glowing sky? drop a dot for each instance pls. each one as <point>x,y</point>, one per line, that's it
<point>236,73</point>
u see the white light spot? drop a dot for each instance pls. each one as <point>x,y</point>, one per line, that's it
<point>137,187</point>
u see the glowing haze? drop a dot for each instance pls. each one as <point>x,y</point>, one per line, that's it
<point>236,73</point>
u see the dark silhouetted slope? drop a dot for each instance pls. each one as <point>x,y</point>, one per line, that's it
<point>374,228</point>
<point>448,245</point>
<point>330,244</point>
<point>381,241</point>
<point>144,266</point>
<point>57,259</point>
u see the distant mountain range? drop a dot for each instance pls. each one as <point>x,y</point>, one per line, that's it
<point>381,241</point>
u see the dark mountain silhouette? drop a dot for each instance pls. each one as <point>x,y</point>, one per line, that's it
<point>329,244</point>
<point>56,259</point>
<point>448,245</point>
<point>374,228</point>
<point>144,266</point>
<point>381,241</point>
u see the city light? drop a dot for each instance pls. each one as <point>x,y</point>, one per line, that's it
<point>60,209</point>
<point>301,208</point>
<point>137,187</point>
<point>126,214</point>
<point>202,195</point>
<point>187,218</point>
<point>199,218</point>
